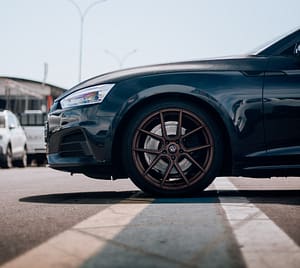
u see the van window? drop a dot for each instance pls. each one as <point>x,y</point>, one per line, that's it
<point>33,119</point>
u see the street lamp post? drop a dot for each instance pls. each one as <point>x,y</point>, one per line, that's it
<point>82,15</point>
<point>120,60</point>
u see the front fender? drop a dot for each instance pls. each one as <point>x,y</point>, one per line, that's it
<point>231,96</point>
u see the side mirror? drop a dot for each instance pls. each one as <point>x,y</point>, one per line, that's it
<point>11,126</point>
<point>297,50</point>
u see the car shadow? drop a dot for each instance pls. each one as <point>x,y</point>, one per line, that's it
<point>290,197</point>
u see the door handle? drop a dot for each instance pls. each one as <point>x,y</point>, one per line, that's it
<point>275,73</point>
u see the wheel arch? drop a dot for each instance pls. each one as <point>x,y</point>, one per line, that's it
<point>9,146</point>
<point>212,111</point>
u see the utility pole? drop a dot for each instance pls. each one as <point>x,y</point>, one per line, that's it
<point>82,15</point>
<point>120,60</point>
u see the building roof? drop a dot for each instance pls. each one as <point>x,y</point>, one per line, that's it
<point>20,86</point>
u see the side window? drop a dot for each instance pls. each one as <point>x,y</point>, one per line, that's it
<point>33,119</point>
<point>2,121</point>
<point>13,121</point>
<point>291,51</point>
<point>24,120</point>
<point>10,120</point>
<point>297,49</point>
<point>17,121</point>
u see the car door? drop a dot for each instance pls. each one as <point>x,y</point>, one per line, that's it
<point>281,105</point>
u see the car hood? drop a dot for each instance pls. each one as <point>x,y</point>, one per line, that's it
<point>3,131</point>
<point>246,63</point>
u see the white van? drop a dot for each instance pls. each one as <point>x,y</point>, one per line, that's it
<point>13,145</point>
<point>33,122</point>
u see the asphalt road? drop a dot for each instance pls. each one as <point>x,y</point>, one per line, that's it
<point>51,219</point>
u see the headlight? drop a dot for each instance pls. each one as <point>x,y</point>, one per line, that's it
<point>86,96</point>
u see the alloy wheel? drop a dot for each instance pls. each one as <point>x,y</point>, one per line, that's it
<point>172,148</point>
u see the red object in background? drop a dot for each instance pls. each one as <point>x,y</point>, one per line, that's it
<point>49,102</point>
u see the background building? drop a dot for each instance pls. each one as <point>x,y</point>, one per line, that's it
<point>18,94</point>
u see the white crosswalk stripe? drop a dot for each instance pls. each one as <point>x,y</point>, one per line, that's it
<point>72,247</point>
<point>262,242</point>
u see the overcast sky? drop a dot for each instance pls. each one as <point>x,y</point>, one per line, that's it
<point>34,32</point>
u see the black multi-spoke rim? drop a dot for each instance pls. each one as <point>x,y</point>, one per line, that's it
<point>173,149</point>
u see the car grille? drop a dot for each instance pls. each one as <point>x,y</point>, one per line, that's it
<point>74,137</point>
<point>74,145</point>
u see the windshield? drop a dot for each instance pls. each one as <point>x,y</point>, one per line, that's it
<point>2,121</point>
<point>33,119</point>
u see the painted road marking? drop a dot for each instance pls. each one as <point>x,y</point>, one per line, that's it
<point>72,247</point>
<point>169,233</point>
<point>142,232</point>
<point>263,243</point>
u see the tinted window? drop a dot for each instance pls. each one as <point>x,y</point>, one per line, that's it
<point>2,122</point>
<point>33,119</point>
<point>289,51</point>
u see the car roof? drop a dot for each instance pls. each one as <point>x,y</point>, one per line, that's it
<point>3,112</point>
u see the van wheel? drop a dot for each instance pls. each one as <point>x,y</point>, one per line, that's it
<point>41,161</point>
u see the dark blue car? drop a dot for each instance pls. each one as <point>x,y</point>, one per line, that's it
<point>173,128</point>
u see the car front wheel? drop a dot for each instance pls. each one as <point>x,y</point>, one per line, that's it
<point>172,148</point>
<point>23,161</point>
<point>6,162</point>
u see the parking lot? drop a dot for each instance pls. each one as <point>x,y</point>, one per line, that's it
<point>51,219</point>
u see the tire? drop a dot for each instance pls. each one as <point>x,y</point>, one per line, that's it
<point>29,160</point>
<point>23,161</point>
<point>182,157</point>
<point>6,162</point>
<point>41,161</point>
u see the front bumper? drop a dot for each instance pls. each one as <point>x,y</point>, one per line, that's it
<point>79,141</point>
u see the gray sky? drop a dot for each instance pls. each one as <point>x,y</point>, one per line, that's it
<point>37,31</point>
